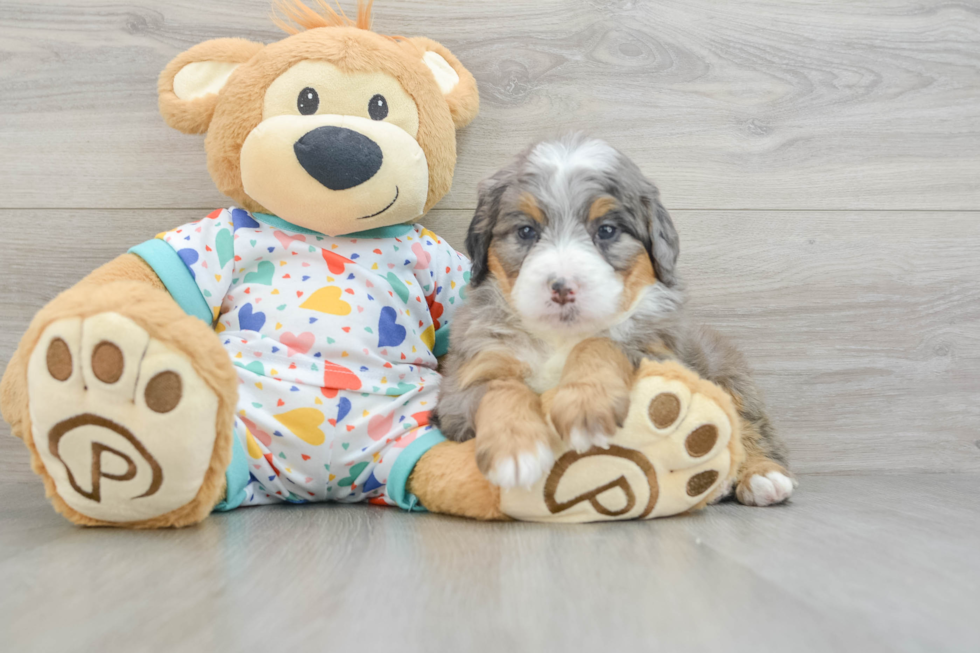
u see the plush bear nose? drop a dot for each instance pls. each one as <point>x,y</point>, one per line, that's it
<point>337,157</point>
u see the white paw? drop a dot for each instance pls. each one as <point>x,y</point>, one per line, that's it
<point>774,487</point>
<point>124,425</point>
<point>581,440</point>
<point>524,469</point>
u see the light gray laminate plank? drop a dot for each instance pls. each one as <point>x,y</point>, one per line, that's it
<point>861,327</point>
<point>854,563</point>
<point>818,104</point>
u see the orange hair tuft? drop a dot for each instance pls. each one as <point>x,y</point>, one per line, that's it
<point>306,18</point>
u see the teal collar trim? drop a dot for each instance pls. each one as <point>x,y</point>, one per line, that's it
<point>391,231</point>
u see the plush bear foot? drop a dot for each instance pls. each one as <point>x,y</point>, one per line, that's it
<point>124,426</point>
<point>678,447</point>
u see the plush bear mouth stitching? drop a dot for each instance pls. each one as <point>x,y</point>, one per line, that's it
<point>374,215</point>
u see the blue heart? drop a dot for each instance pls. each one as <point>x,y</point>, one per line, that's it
<point>189,257</point>
<point>343,407</point>
<point>240,218</point>
<point>372,483</point>
<point>249,320</point>
<point>390,333</point>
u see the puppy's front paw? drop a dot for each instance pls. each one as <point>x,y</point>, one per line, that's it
<point>586,415</point>
<point>513,454</point>
<point>765,487</point>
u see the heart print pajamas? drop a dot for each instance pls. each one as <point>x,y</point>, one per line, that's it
<point>335,342</point>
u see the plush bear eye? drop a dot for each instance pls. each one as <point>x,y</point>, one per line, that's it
<point>378,107</point>
<point>308,101</point>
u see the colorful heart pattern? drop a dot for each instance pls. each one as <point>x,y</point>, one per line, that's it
<point>333,342</point>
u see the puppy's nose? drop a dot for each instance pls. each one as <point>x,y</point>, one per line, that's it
<point>562,292</point>
<point>337,157</point>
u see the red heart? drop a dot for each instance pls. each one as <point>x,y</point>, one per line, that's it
<point>305,457</point>
<point>281,403</point>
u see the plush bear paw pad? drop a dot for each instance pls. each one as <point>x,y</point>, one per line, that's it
<point>671,454</point>
<point>123,424</point>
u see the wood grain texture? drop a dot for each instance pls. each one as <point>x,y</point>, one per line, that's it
<point>762,104</point>
<point>863,563</point>
<point>861,327</point>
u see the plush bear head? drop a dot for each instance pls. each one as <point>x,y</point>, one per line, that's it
<point>335,128</point>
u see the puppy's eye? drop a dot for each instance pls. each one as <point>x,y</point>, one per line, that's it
<point>378,107</point>
<point>607,231</point>
<point>308,101</point>
<point>527,233</point>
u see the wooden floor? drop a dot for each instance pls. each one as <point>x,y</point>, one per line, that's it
<point>821,160</point>
<point>855,563</point>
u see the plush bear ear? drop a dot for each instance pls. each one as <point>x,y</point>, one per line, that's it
<point>190,84</point>
<point>456,83</point>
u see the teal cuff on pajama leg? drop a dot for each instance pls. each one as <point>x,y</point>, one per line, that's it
<point>177,279</point>
<point>402,469</point>
<point>236,475</point>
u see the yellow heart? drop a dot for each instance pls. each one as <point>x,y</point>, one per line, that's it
<point>253,446</point>
<point>304,423</point>
<point>429,337</point>
<point>317,401</point>
<point>275,292</point>
<point>327,300</point>
<point>273,372</point>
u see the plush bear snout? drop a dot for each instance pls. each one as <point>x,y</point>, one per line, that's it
<point>337,157</point>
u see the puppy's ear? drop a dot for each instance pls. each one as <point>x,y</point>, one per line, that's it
<point>663,245</point>
<point>456,83</point>
<point>190,84</point>
<point>480,233</point>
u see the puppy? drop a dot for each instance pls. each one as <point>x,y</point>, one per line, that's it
<point>574,283</point>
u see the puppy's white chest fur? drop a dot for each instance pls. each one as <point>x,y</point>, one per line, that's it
<point>548,362</point>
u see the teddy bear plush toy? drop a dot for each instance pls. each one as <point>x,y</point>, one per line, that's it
<point>286,350</point>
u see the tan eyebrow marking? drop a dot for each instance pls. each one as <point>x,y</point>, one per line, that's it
<point>601,206</point>
<point>529,205</point>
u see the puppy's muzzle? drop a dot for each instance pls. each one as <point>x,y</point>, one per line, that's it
<point>337,157</point>
<point>562,291</point>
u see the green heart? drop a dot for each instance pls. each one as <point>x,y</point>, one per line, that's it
<point>330,341</point>
<point>400,390</point>
<point>355,471</point>
<point>224,242</point>
<point>263,275</point>
<point>206,293</point>
<point>345,445</point>
<point>282,455</point>
<point>396,284</point>
<point>252,242</point>
<point>281,307</point>
<point>254,367</point>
